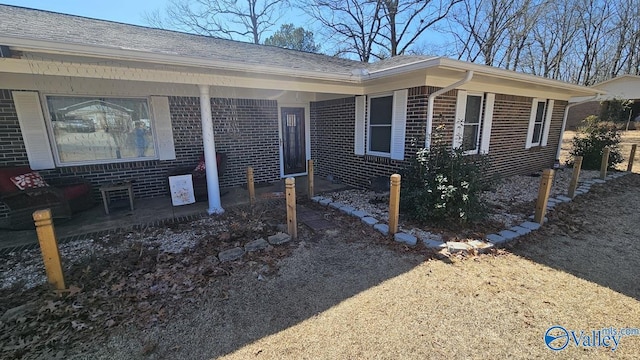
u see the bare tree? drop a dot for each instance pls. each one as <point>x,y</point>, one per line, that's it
<point>405,21</point>
<point>551,39</point>
<point>375,29</point>
<point>232,19</point>
<point>483,27</point>
<point>350,26</point>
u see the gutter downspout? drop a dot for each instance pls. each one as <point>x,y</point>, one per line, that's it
<point>564,122</point>
<point>432,97</point>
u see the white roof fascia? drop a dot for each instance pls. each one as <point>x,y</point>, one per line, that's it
<point>401,69</point>
<point>135,55</point>
<point>615,79</point>
<point>512,75</point>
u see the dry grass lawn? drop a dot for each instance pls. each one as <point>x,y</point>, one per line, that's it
<point>350,295</point>
<point>629,138</point>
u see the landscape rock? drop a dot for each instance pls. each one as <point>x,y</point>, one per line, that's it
<point>383,228</point>
<point>520,230</point>
<point>336,205</point>
<point>231,254</point>
<point>317,198</point>
<point>508,234</point>
<point>369,220</point>
<point>530,225</point>
<point>16,312</point>
<point>563,198</point>
<point>495,239</point>
<point>255,245</point>
<point>347,209</point>
<point>406,238</point>
<point>434,244</point>
<point>279,238</point>
<point>481,246</point>
<point>359,214</point>
<point>324,202</point>
<point>454,246</point>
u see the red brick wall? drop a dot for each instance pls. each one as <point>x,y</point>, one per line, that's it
<point>511,116</point>
<point>332,136</point>
<point>333,133</point>
<point>246,130</point>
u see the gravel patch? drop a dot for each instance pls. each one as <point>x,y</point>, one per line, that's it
<point>510,202</point>
<point>25,268</point>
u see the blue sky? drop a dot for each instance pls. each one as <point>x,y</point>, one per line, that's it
<point>126,11</point>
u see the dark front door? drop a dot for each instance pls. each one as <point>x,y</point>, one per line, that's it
<point>293,141</point>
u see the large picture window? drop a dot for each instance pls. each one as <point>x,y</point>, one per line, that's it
<point>101,130</point>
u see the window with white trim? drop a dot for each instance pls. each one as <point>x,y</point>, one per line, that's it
<point>539,123</point>
<point>90,130</point>
<point>384,126</point>
<point>472,129</point>
<point>380,121</point>
<point>472,120</point>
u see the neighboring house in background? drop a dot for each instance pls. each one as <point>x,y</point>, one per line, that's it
<point>265,107</point>
<point>580,112</point>
<point>623,87</point>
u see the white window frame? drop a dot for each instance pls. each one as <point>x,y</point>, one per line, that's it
<point>54,149</point>
<point>544,125</point>
<point>369,125</point>
<point>483,135</point>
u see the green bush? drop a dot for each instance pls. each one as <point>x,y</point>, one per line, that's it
<point>590,141</point>
<point>442,184</point>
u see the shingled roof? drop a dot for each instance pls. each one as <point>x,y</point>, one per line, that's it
<point>40,25</point>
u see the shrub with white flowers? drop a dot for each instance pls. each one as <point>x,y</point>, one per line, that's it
<point>442,184</point>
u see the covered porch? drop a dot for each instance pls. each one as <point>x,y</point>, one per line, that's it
<point>154,212</point>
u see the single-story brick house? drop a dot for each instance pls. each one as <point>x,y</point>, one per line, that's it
<point>108,101</point>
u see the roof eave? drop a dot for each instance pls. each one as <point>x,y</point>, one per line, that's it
<point>575,90</point>
<point>615,79</point>
<point>168,59</point>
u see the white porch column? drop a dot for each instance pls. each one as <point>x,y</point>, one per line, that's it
<point>211,165</point>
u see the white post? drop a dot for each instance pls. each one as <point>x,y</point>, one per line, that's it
<point>211,166</point>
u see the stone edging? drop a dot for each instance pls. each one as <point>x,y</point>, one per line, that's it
<point>490,241</point>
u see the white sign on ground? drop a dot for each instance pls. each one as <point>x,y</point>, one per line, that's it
<point>181,187</point>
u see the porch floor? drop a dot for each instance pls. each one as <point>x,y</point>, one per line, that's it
<point>150,211</point>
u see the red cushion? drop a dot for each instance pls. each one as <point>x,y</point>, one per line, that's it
<point>6,185</point>
<point>201,167</point>
<point>75,191</point>
<point>30,180</point>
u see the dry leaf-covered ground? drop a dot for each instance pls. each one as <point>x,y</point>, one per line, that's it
<point>349,293</point>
